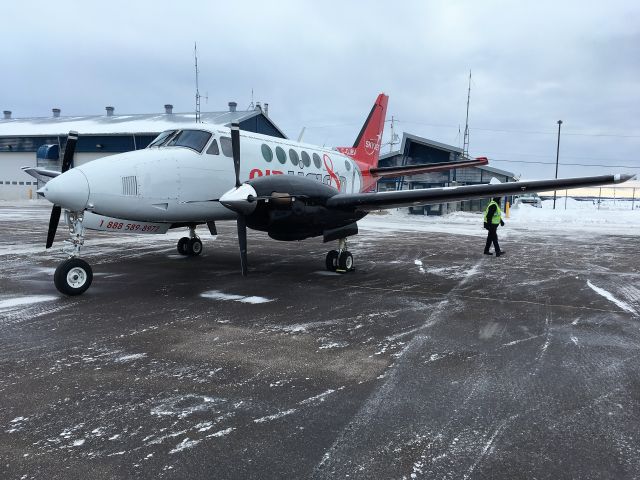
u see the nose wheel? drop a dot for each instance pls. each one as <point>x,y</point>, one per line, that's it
<point>73,276</point>
<point>341,260</point>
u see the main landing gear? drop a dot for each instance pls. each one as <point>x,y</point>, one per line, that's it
<point>74,275</point>
<point>190,246</point>
<point>341,260</point>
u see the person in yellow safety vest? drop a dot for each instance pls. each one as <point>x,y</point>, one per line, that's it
<point>493,218</point>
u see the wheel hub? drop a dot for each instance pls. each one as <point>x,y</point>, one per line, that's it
<point>76,277</point>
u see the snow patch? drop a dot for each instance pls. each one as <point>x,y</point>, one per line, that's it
<point>130,358</point>
<point>317,398</point>
<point>218,295</point>
<point>275,416</point>
<point>600,291</point>
<point>12,303</point>
<point>221,433</point>
<point>186,443</point>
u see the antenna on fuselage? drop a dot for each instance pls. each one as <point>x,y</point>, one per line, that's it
<point>195,55</point>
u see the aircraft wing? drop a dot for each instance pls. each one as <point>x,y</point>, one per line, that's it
<point>423,196</point>
<point>408,170</point>
<point>40,173</point>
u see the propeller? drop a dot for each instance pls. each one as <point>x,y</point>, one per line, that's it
<point>242,221</point>
<point>67,161</point>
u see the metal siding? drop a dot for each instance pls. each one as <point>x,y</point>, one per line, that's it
<point>425,154</point>
<point>24,144</point>
<point>109,143</point>
<point>142,141</point>
<point>259,124</point>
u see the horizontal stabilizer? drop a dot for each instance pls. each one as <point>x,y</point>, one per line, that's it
<point>40,173</point>
<point>408,170</point>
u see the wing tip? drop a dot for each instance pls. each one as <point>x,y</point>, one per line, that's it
<point>623,177</point>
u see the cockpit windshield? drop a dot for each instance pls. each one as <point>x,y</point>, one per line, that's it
<point>162,138</point>
<point>194,139</point>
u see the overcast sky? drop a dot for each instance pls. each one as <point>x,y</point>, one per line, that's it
<point>320,65</point>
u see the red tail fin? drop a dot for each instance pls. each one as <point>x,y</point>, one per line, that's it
<point>366,149</point>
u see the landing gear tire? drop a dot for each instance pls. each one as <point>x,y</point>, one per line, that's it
<point>331,262</point>
<point>194,247</point>
<point>73,276</point>
<point>345,262</point>
<point>182,245</point>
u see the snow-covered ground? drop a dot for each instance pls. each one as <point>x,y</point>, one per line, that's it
<point>613,218</point>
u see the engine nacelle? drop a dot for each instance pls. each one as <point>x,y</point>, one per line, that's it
<point>294,208</point>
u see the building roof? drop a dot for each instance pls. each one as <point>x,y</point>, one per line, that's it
<point>497,171</point>
<point>408,138</point>
<point>121,124</point>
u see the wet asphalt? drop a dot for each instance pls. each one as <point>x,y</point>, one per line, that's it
<point>431,360</point>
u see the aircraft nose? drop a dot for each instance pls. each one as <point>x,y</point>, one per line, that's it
<point>70,190</point>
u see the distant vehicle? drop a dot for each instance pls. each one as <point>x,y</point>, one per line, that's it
<point>528,199</point>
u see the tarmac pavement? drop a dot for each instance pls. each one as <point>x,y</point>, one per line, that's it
<point>431,360</point>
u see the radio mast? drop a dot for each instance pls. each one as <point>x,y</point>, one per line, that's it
<point>465,143</point>
<point>195,55</point>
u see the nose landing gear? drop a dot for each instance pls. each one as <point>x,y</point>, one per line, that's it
<point>341,260</point>
<point>74,275</point>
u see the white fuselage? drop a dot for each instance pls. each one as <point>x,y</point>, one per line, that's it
<point>180,184</point>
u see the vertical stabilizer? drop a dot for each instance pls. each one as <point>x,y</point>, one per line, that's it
<point>366,148</point>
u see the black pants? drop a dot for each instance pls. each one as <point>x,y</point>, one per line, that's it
<point>492,236</point>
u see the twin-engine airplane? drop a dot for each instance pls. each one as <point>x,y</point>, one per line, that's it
<point>291,190</point>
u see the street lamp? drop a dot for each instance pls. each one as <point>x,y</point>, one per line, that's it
<point>557,156</point>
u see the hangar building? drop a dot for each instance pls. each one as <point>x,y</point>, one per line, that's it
<point>100,135</point>
<point>21,140</point>
<point>416,150</point>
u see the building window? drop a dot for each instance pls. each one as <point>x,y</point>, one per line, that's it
<point>282,157</point>
<point>293,156</point>
<point>267,153</point>
<point>306,159</point>
<point>225,144</point>
<point>213,148</point>
<point>316,160</point>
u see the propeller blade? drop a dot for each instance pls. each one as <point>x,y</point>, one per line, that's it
<point>242,241</point>
<point>235,147</point>
<point>53,224</point>
<point>69,150</point>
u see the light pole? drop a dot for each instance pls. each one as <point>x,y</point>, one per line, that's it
<point>557,156</point>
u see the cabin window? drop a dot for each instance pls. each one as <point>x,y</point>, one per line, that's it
<point>306,159</point>
<point>293,156</point>
<point>347,165</point>
<point>162,138</point>
<point>213,148</point>
<point>316,160</point>
<point>193,139</point>
<point>267,153</point>
<point>225,144</point>
<point>282,157</point>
